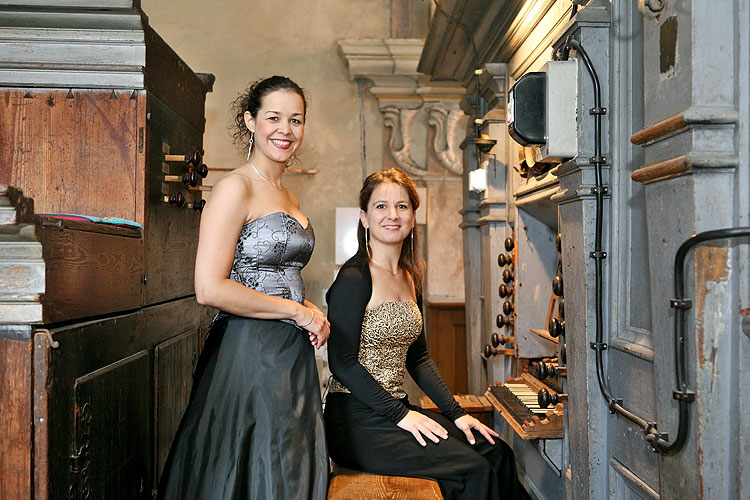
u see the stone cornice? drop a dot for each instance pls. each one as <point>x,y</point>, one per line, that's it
<point>409,102</point>
<point>390,62</point>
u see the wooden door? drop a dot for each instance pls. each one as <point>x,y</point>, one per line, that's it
<point>446,340</point>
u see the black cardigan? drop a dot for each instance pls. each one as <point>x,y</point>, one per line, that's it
<point>347,299</point>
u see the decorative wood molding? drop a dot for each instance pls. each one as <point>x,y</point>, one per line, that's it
<point>682,165</point>
<point>682,121</point>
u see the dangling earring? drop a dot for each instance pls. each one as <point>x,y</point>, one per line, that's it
<point>411,242</point>
<point>250,145</point>
<point>367,242</point>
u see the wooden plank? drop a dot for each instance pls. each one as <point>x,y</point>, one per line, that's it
<point>171,232</point>
<point>469,402</point>
<point>73,152</point>
<point>169,78</point>
<point>174,364</point>
<point>352,485</point>
<point>89,274</point>
<point>15,419</point>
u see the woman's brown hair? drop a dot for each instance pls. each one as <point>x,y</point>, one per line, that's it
<point>409,258</point>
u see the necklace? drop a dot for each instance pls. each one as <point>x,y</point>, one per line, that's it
<point>385,268</point>
<point>265,178</point>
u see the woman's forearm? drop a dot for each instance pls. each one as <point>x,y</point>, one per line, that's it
<point>234,298</point>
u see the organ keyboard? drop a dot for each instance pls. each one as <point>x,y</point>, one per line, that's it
<point>517,402</point>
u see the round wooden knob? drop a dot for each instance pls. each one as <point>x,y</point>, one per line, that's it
<point>193,158</point>
<point>489,351</point>
<point>501,340</point>
<point>177,199</point>
<point>202,170</point>
<point>507,307</point>
<point>558,242</point>
<point>561,309</point>
<point>556,327</point>
<point>190,178</point>
<point>198,205</point>
<point>507,276</point>
<point>504,260</point>
<point>557,285</point>
<point>564,353</point>
<point>509,244</point>
<point>545,398</point>
<point>502,321</point>
<point>505,291</point>
<point>543,370</point>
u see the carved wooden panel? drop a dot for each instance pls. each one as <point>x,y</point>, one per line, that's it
<point>174,363</point>
<point>112,431</point>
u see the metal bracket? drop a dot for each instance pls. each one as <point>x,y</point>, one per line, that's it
<point>598,346</point>
<point>48,336</point>
<point>680,303</point>
<point>598,255</point>
<point>653,436</point>
<point>612,403</point>
<point>688,396</point>
<point>597,190</point>
<point>598,159</point>
<point>598,111</point>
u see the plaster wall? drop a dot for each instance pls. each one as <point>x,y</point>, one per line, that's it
<point>240,42</point>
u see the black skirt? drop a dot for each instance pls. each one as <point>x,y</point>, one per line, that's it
<point>253,428</point>
<point>360,439</point>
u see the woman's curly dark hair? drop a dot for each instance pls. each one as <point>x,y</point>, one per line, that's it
<point>252,99</point>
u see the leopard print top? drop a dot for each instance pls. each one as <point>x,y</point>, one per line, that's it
<point>387,332</point>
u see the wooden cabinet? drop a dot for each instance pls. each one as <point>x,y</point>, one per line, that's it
<point>99,327</point>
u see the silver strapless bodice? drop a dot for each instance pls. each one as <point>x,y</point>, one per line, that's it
<point>271,252</point>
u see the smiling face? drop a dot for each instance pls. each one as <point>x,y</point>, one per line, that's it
<point>279,127</point>
<point>389,216</point>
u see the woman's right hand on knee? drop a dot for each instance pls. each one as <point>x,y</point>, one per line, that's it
<point>421,425</point>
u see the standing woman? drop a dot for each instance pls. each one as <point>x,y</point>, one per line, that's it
<point>376,335</point>
<point>253,428</point>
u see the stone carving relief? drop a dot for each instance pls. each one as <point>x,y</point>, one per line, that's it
<point>399,120</point>
<point>445,143</point>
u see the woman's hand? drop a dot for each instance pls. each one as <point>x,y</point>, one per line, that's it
<point>419,425</point>
<point>467,422</point>
<point>317,326</point>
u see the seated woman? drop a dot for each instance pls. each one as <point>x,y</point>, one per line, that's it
<point>376,335</point>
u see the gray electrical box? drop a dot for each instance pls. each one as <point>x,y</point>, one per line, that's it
<point>561,131</point>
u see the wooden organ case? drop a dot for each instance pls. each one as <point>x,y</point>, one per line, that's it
<point>531,322</point>
<point>99,327</point>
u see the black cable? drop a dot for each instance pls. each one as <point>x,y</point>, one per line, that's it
<point>680,304</point>
<point>682,394</point>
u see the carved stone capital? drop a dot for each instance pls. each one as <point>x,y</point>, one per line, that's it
<point>410,103</point>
